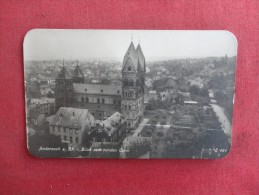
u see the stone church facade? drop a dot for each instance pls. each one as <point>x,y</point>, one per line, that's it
<point>103,100</point>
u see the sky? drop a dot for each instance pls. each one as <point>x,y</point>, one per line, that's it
<point>52,44</point>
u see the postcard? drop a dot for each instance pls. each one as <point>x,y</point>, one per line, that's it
<point>146,94</point>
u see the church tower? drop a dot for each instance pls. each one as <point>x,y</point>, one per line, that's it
<point>133,82</point>
<point>78,75</point>
<point>63,89</point>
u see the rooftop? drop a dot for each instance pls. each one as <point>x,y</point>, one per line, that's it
<point>77,73</point>
<point>71,117</point>
<point>97,89</point>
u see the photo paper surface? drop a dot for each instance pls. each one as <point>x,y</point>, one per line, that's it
<point>129,93</point>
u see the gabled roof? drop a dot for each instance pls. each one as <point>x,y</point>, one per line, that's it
<point>77,73</point>
<point>111,124</point>
<point>63,74</point>
<point>135,56</point>
<point>97,89</point>
<point>71,117</point>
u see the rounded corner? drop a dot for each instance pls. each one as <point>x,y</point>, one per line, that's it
<point>28,34</point>
<point>226,153</point>
<point>232,35</point>
<point>32,153</point>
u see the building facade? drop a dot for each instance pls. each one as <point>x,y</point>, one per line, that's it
<point>71,124</point>
<point>103,100</point>
<point>110,130</point>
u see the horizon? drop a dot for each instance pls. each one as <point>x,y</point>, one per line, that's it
<point>54,44</point>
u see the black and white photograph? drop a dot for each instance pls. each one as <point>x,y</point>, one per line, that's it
<point>145,94</point>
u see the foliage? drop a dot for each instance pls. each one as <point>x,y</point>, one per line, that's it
<point>137,146</point>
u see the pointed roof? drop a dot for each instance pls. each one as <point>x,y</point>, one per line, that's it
<point>141,57</point>
<point>136,57</point>
<point>63,74</point>
<point>78,72</point>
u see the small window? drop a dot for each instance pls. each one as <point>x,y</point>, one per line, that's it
<point>82,99</point>
<point>114,101</point>
<point>77,140</point>
<point>71,139</point>
<point>100,114</point>
<point>98,100</point>
<point>103,101</point>
<point>65,137</point>
<point>129,68</point>
<point>129,107</point>
<point>86,99</point>
<point>101,90</point>
<point>118,91</point>
<point>85,89</point>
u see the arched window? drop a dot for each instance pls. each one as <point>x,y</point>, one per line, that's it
<point>129,107</point>
<point>129,68</point>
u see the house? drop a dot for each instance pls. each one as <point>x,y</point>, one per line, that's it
<point>71,124</point>
<point>113,129</point>
<point>42,105</point>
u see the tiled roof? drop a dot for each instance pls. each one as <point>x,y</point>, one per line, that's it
<point>97,89</point>
<point>63,74</point>
<point>77,72</point>
<point>71,117</point>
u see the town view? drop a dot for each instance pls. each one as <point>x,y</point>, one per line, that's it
<point>130,108</point>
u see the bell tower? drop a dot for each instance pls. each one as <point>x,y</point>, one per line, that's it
<point>133,82</point>
<point>63,89</point>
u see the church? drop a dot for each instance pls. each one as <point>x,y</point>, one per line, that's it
<point>103,100</point>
